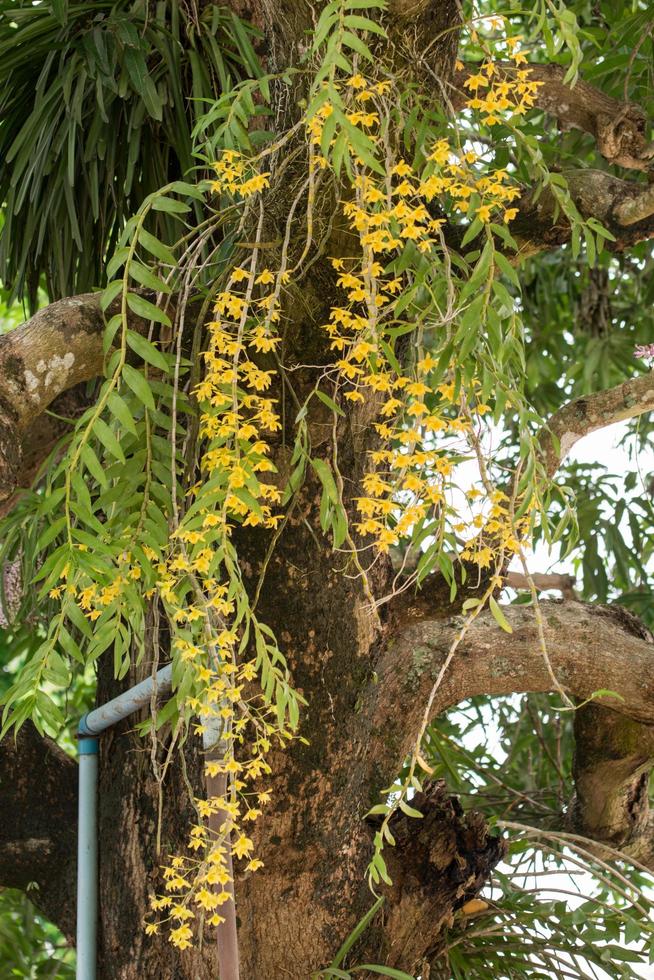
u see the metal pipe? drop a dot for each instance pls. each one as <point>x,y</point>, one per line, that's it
<point>90,725</point>
<point>125,704</point>
<point>226,931</point>
<point>87,859</point>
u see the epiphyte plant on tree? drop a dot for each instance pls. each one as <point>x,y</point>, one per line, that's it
<point>334,330</point>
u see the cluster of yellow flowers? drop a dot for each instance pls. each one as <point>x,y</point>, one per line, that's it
<point>231,707</point>
<point>500,93</point>
<point>198,883</point>
<point>189,565</point>
<point>407,484</point>
<point>234,174</point>
<point>389,213</point>
<point>238,415</point>
<point>497,531</point>
<point>91,597</point>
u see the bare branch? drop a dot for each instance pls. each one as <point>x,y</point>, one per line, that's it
<point>619,128</point>
<point>542,580</point>
<point>591,648</point>
<point>592,412</point>
<point>637,208</point>
<point>624,207</point>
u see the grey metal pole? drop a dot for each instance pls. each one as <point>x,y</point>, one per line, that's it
<point>87,860</point>
<point>125,704</point>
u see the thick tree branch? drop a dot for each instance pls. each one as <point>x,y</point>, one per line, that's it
<point>589,648</point>
<point>542,580</point>
<point>59,347</point>
<point>613,759</point>
<point>44,364</point>
<point>635,209</point>
<point>624,207</point>
<point>592,412</point>
<point>38,802</point>
<point>619,128</point>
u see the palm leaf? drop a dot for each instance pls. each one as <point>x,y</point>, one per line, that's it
<point>108,122</point>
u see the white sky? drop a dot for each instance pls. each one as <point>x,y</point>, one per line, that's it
<point>598,447</point>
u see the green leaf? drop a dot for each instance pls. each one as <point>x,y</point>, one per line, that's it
<point>118,408</point>
<point>330,403</point>
<point>356,933</point>
<point>170,205</point>
<point>506,268</point>
<point>326,477</point>
<point>93,465</point>
<point>384,971</point>
<point>363,24</point>
<point>110,293</point>
<point>354,42</point>
<point>137,70</point>
<point>606,693</point>
<point>410,811</point>
<point>156,248</point>
<point>499,616</point>
<point>144,308</point>
<point>147,278</point>
<point>379,865</point>
<point>108,439</point>
<point>50,533</point>
<point>146,350</point>
<point>118,259</point>
<point>110,332</point>
<point>60,10</point>
<point>339,526</point>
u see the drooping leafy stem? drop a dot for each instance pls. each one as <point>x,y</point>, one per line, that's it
<point>108,388</point>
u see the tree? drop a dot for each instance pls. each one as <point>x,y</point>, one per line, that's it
<point>270,399</point>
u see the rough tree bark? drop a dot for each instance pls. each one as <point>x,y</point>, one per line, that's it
<point>38,801</point>
<point>366,680</point>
